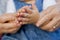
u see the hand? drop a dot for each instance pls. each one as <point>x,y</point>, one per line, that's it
<point>9,23</point>
<point>29,15</point>
<point>11,27</point>
<point>8,17</point>
<point>50,18</point>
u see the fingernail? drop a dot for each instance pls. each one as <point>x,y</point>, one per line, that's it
<point>37,25</point>
<point>23,10</point>
<point>18,14</point>
<point>21,23</point>
<point>21,14</point>
<point>17,22</point>
<point>19,18</point>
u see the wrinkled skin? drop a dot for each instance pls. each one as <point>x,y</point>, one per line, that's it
<point>9,23</point>
<point>50,18</point>
<point>32,15</point>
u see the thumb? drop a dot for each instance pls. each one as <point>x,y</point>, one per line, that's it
<point>37,24</point>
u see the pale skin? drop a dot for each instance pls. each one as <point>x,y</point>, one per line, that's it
<point>30,19</point>
<point>9,23</point>
<point>49,18</point>
<point>33,15</point>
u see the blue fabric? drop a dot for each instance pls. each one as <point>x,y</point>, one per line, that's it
<point>30,31</point>
<point>39,4</point>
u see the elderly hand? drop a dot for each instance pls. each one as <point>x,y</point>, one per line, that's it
<point>7,17</point>
<point>50,18</point>
<point>29,15</point>
<point>11,27</point>
<point>9,23</point>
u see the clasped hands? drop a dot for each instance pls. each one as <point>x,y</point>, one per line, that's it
<point>48,19</point>
<point>11,23</point>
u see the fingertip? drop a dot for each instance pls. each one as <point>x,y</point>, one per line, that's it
<point>16,22</point>
<point>20,22</point>
<point>21,14</point>
<point>37,25</point>
<point>18,14</point>
<point>23,10</point>
<point>19,19</point>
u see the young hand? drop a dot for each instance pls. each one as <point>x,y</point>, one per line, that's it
<point>29,15</point>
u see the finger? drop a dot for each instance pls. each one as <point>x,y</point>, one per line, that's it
<point>12,14</point>
<point>23,19</point>
<point>18,23</point>
<point>25,15</point>
<point>55,27</point>
<point>21,10</point>
<point>51,24</point>
<point>10,25</point>
<point>25,9</point>
<point>10,30</point>
<point>46,23</point>
<point>44,19</point>
<point>7,18</point>
<point>28,9</point>
<point>45,12</point>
